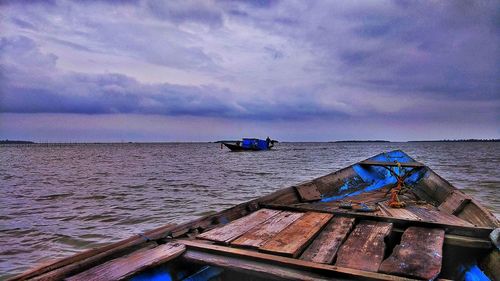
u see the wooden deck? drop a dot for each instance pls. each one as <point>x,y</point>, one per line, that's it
<point>342,242</point>
<point>316,241</point>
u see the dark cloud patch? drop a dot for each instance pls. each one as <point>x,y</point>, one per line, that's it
<point>186,11</point>
<point>73,45</point>
<point>28,2</point>
<point>23,52</point>
<point>254,3</point>
<point>274,53</point>
<point>110,94</point>
<point>58,92</point>
<point>23,24</point>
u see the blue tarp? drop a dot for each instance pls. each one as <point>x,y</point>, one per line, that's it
<point>254,144</point>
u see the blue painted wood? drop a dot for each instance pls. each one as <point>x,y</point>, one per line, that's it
<point>205,273</point>
<point>370,178</point>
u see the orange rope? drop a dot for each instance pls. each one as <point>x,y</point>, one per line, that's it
<point>394,202</point>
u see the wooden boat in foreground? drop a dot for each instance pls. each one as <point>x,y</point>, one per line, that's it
<point>336,227</point>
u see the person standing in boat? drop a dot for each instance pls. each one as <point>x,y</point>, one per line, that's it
<point>268,141</point>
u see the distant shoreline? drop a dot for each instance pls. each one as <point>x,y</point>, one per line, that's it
<point>349,141</point>
<point>385,141</point>
<point>467,140</point>
<point>16,142</point>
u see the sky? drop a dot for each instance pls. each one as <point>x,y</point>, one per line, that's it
<point>98,71</point>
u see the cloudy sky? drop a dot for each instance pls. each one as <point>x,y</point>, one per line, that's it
<point>207,70</point>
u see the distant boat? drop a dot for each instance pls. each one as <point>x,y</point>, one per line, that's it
<point>248,144</point>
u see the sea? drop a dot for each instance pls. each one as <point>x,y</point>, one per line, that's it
<point>59,199</point>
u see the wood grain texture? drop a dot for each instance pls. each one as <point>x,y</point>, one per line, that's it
<point>307,266</point>
<point>365,246</point>
<point>308,192</point>
<point>257,236</point>
<point>419,255</point>
<point>324,248</point>
<point>478,215</point>
<point>437,216</point>
<point>234,229</point>
<point>260,269</point>
<point>126,266</point>
<point>455,202</point>
<point>470,231</point>
<point>401,213</point>
<point>293,239</point>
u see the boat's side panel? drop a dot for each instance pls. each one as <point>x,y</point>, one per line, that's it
<point>233,147</point>
<point>433,188</point>
<point>474,213</point>
<point>126,266</point>
<point>333,182</point>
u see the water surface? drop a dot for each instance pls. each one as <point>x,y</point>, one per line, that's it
<point>57,200</point>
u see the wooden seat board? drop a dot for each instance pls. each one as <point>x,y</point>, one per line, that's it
<point>324,248</point>
<point>236,228</point>
<point>419,255</point>
<point>437,216</point>
<point>293,239</point>
<point>257,236</point>
<point>123,267</point>
<point>365,246</point>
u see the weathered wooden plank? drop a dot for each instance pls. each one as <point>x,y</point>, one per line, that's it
<point>293,239</point>
<point>257,236</point>
<point>261,270</point>
<point>306,266</point>
<point>419,255</point>
<point>365,246</point>
<point>463,230</point>
<point>324,248</point>
<point>461,241</point>
<point>478,215</point>
<point>437,216</point>
<point>233,230</point>
<point>393,164</point>
<point>66,266</point>
<point>126,266</point>
<point>401,213</point>
<point>455,202</point>
<point>308,192</point>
